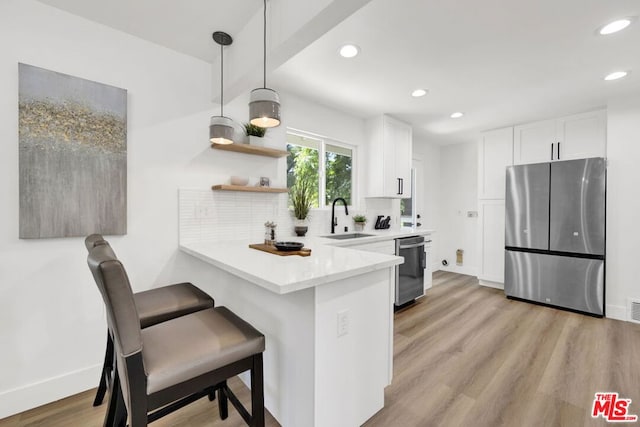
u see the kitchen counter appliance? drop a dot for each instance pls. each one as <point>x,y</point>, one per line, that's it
<point>555,234</point>
<point>410,274</point>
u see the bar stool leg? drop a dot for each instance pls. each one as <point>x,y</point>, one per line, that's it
<point>257,392</point>
<point>223,405</point>
<point>107,368</point>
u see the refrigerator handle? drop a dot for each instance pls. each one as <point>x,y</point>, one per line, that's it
<point>558,157</point>
<point>552,150</point>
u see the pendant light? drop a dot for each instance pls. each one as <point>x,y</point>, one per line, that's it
<point>221,128</point>
<point>264,104</point>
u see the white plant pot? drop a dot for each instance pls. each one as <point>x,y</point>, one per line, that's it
<point>256,140</point>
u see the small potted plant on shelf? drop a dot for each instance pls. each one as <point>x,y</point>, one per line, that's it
<point>301,202</point>
<point>359,221</point>
<point>255,134</point>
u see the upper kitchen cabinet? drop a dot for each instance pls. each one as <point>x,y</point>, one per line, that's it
<point>495,153</point>
<point>389,158</point>
<point>582,135</point>
<point>573,137</point>
<point>534,142</point>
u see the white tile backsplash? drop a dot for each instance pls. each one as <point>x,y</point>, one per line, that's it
<point>230,215</point>
<point>227,215</point>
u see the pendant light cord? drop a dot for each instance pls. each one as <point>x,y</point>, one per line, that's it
<point>221,81</point>
<point>264,51</point>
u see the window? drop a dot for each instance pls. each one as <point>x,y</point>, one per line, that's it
<point>327,164</point>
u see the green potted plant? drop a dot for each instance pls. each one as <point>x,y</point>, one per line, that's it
<point>301,202</point>
<point>359,221</point>
<point>255,134</point>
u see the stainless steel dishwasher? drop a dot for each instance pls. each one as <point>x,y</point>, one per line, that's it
<point>410,274</point>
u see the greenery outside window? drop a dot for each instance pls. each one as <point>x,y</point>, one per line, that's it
<point>328,165</point>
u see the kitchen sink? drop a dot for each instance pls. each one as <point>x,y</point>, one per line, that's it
<point>347,236</point>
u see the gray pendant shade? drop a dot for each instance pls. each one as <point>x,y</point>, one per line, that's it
<point>221,128</point>
<point>264,104</point>
<point>264,108</point>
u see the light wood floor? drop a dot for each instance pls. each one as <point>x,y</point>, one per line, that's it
<point>464,356</point>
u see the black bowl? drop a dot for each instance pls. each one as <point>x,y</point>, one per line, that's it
<point>288,246</point>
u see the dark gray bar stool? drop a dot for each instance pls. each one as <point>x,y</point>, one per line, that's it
<point>154,306</point>
<point>168,365</point>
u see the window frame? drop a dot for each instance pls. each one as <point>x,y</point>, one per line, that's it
<point>322,179</point>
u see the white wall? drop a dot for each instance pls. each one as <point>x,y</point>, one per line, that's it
<point>429,154</point>
<point>623,203</point>
<point>52,323</point>
<point>458,195</point>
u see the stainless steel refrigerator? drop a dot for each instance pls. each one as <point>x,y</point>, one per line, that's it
<point>555,234</point>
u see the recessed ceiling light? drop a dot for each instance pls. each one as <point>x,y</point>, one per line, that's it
<point>349,50</point>
<point>418,93</point>
<point>615,26</point>
<point>457,115</point>
<point>616,75</point>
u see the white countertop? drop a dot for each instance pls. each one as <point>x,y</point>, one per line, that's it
<point>284,274</point>
<point>330,260</point>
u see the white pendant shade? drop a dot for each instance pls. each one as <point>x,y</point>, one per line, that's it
<point>264,108</point>
<point>221,130</point>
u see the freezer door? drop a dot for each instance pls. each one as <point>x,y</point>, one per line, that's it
<point>578,206</point>
<point>575,283</point>
<point>527,206</point>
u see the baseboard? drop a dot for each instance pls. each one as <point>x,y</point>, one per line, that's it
<point>37,394</point>
<point>491,284</point>
<point>618,312</point>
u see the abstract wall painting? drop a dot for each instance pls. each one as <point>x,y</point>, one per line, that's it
<point>72,155</point>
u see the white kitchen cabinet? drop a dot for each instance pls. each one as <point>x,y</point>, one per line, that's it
<point>495,153</point>
<point>577,136</point>
<point>491,231</point>
<point>582,135</point>
<point>389,158</point>
<point>428,269</point>
<point>534,142</point>
<point>387,247</point>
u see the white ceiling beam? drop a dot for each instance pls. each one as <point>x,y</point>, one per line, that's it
<point>292,25</point>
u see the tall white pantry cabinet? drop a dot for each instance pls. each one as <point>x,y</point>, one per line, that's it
<point>577,136</point>
<point>495,153</point>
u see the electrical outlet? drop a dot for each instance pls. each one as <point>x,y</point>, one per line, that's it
<point>472,214</point>
<point>343,322</point>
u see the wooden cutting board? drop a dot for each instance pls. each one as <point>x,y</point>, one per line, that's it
<point>273,250</point>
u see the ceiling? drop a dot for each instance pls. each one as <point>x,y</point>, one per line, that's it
<point>501,62</point>
<point>185,26</point>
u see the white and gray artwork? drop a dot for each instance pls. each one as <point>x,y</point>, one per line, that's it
<point>72,155</point>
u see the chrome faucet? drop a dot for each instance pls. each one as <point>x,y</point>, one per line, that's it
<point>334,220</point>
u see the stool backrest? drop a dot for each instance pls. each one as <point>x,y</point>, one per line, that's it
<point>93,240</point>
<point>124,322</point>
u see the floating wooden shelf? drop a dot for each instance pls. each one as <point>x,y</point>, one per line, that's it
<point>249,189</point>
<point>251,149</point>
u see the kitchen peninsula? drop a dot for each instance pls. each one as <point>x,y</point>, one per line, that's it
<point>327,319</point>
